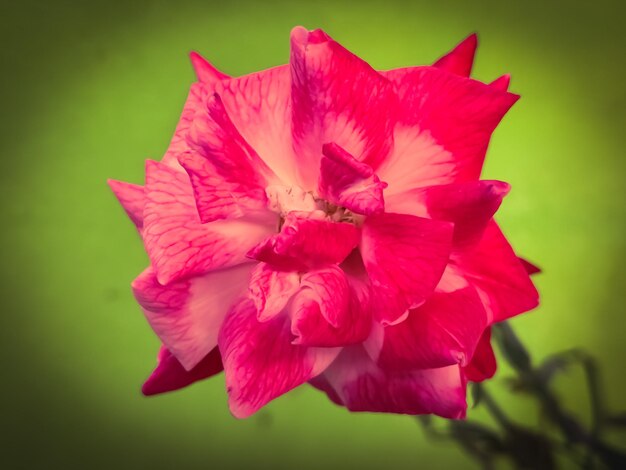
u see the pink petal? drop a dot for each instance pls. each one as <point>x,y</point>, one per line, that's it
<point>327,312</point>
<point>205,71</point>
<point>305,241</point>
<point>177,243</point>
<point>178,144</point>
<point>405,256</point>
<point>501,83</point>
<point>362,386</point>
<point>483,364</point>
<point>186,315</point>
<point>442,332</point>
<point>170,375</point>
<point>132,198</point>
<point>444,128</point>
<point>500,278</point>
<point>227,175</point>
<point>529,267</point>
<point>337,97</point>
<point>271,289</point>
<point>470,206</point>
<point>348,183</point>
<point>208,77</point>
<point>259,106</point>
<point>460,59</point>
<point>260,361</point>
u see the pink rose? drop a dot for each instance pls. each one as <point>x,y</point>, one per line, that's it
<point>323,222</point>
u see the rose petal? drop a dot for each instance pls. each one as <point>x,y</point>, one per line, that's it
<point>205,71</point>
<point>260,361</point>
<point>529,267</point>
<point>405,257</point>
<point>348,183</point>
<point>227,175</point>
<point>442,332</point>
<point>501,83</point>
<point>271,289</point>
<point>444,128</point>
<point>259,106</point>
<point>132,198</point>
<point>327,311</point>
<point>177,243</point>
<point>306,241</point>
<point>460,59</point>
<point>470,206</point>
<point>362,386</point>
<point>483,364</point>
<point>500,278</point>
<point>337,97</point>
<point>170,375</point>
<point>186,315</point>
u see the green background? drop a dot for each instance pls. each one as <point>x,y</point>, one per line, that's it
<point>91,89</point>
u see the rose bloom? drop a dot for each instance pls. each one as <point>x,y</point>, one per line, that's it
<point>323,222</point>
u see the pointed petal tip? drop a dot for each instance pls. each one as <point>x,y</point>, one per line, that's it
<point>303,37</point>
<point>205,71</point>
<point>499,188</point>
<point>501,83</point>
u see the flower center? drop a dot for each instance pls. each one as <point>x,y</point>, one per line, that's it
<point>285,199</point>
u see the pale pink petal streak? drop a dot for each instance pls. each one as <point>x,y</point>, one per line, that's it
<point>444,128</point>
<point>186,315</point>
<point>337,97</point>
<point>259,106</point>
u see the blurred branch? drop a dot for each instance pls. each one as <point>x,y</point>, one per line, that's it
<point>528,448</point>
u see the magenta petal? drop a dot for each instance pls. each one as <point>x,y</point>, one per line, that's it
<point>271,289</point>
<point>260,361</point>
<point>460,59</point>
<point>493,268</point>
<point>444,128</point>
<point>170,375</point>
<point>205,71</point>
<point>327,311</point>
<point>186,315</point>
<point>483,364</point>
<point>348,183</point>
<point>444,331</point>
<point>470,206</point>
<point>178,244</point>
<point>307,241</point>
<point>405,257</point>
<point>337,97</point>
<point>501,83</point>
<point>259,106</point>
<point>362,386</point>
<point>193,104</point>
<point>132,198</point>
<point>227,175</point>
<point>529,267</point>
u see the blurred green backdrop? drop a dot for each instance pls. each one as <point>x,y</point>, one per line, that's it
<point>91,89</point>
